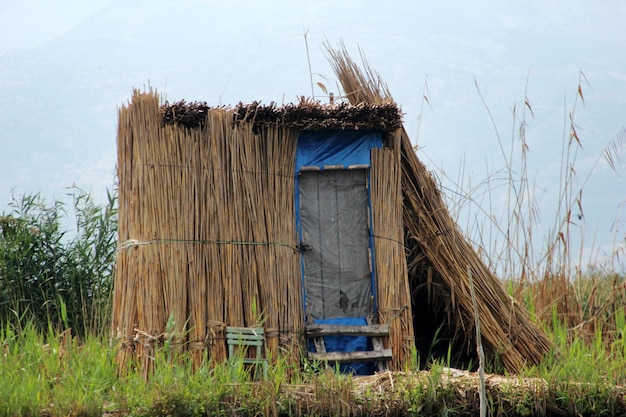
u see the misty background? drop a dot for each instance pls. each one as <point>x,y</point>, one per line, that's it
<point>467,75</point>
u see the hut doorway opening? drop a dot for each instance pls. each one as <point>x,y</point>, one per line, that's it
<point>335,237</point>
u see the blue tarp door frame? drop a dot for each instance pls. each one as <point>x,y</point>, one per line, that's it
<point>333,215</point>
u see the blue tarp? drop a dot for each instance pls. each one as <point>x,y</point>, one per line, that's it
<point>336,148</point>
<point>348,344</point>
<point>341,149</point>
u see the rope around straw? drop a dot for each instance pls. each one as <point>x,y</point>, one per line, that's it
<point>134,242</point>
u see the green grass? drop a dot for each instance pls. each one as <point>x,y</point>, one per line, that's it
<point>51,278</point>
<point>52,374</point>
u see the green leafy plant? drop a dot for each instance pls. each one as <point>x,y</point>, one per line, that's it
<point>48,278</point>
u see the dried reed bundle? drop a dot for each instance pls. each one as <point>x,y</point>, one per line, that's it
<point>306,115</point>
<point>435,243</point>
<point>206,233</point>
<point>360,85</point>
<point>394,297</point>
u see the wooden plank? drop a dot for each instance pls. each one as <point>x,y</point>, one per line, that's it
<point>315,330</point>
<point>253,361</point>
<point>320,346</point>
<point>236,336</point>
<point>245,330</point>
<point>344,357</point>
<point>244,342</point>
<point>358,166</point>
<point>377,346</point>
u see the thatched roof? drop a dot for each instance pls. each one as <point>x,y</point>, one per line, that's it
<point>307,115</point>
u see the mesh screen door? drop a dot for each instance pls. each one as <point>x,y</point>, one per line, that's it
<point>335,231</point>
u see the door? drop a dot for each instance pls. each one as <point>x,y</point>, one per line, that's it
<point>334,225</point>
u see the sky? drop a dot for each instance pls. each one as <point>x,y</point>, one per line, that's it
<point>478,82</point>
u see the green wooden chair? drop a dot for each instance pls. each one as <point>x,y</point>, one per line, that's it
<point>240,340</point>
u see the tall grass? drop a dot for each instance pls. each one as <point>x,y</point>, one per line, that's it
<point>52,372</point>
<point>60,375</point>
<point>547,269</point>
<point>580,302</point>
<point>50,277</point>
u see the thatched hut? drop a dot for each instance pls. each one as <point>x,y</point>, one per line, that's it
<point>300,220</point>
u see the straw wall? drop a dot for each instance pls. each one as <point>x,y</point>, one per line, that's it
<point>206,233</point>
<point>394,298</point>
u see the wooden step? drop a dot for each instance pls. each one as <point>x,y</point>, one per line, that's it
<point>316,330</point>
<point>374,331</point>
<point>346,357</point>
